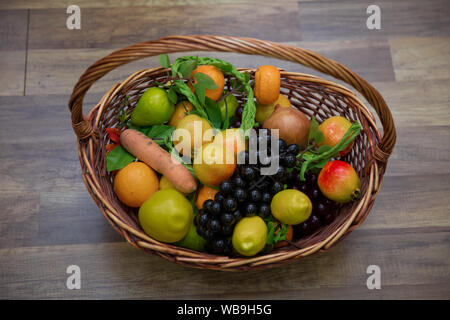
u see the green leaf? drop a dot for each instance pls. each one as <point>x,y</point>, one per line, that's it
<point>276,232</point>
<point>185,69</point>
<point>172,95</point>
<point>214,114</point>
<point>314,132</point>
<point>159,131</point>
<point>323,149</point>
<point>200,93</point>
<point>246,77</point>
<point>317,160</point>
<point>118,158</point>
<point>164,60</point>
<point>182,88</point>
<point>205,81</point>
<point>226,122</point>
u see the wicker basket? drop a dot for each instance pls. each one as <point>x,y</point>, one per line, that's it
<point>313,95</point>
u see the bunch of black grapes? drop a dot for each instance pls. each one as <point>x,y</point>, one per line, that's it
<point>246,194</point>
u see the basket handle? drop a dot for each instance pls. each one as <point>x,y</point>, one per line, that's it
<point>170,44</point>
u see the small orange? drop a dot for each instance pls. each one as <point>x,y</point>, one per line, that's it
<point>216,75</point>
<point>267,84</point>
<point>181,109</point>
<point>289,235</point>
<point>135,183</point>
<point>204,194</point>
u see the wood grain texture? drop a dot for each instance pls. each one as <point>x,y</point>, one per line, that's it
<point>54,4</point>
<point>109,28</point>
<point>13,29</point>
<point>53,71</point>
<point>329,20</point>
<point>417,103</point>
<point>421,58</point>
<point>12,75</point>
<point>137,275</point>
<point>48,220</point>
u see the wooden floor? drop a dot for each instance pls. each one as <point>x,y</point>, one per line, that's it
<point>48,220</point>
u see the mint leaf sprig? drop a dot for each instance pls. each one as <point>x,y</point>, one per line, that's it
<point>181,71</point>
<point>317,157</point>
<point>276,232</point>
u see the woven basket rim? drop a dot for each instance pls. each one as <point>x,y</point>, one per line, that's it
<point>87,132</point>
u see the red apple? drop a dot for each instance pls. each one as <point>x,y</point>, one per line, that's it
<point>339,182</point>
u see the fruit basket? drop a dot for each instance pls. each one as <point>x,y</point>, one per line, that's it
<point>312,95</point>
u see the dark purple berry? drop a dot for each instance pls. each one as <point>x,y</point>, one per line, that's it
<point>238,182</point>
<point>264,210</point>
<point>327,219</point>
<point>254,195</point>
<point>216,208</point>
<point>277,186</point>
<point>247,173</point>
<point>219,197</point>
<point>240,195</point>
<point>321,209</point>
<point>250,209</point>
<point>227,219</point>
<point>227,230</point>
<point>213,225</point>
<point>237,215</point>
<point>314,222</point>
<point>315,194</point>
<point>218,245</point>
<point>207,205</point>
<point>225,187</point>
<point>289,160</point>
<point>266,197</point>
<point>229,204</point>
<point>292,149</point>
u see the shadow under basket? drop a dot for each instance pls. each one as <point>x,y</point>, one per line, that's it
<point>310,94</point>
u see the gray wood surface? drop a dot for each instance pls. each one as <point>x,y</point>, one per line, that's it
<point>48,220</point>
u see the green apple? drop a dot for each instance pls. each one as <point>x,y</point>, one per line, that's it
<point>152,108</point>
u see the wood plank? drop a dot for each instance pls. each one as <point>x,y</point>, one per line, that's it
<point>13,37</point>
<point>417,103</point>
<point>38,145</point>
<point>421,58</point>
<point>420,151</point>
<point>56,71</point>
<point>55,4</point>
<point>411,202</point>
<point>109,27</point>
<point>330,20</point>
<point>12,75</point>
<point>18,220</point>
<point>119,271</point>
<point>13,29</point>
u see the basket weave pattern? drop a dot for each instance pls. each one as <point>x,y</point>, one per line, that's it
<point>312,95</point>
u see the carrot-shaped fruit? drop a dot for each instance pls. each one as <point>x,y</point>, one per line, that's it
<point>149,152</point>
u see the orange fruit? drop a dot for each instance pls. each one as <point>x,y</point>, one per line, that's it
<point>181,109</point>
<point>267,84</point>
<point>289,235</point>
<point>135,183</point>
<point>204,194</point>
<point>216,75</point>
